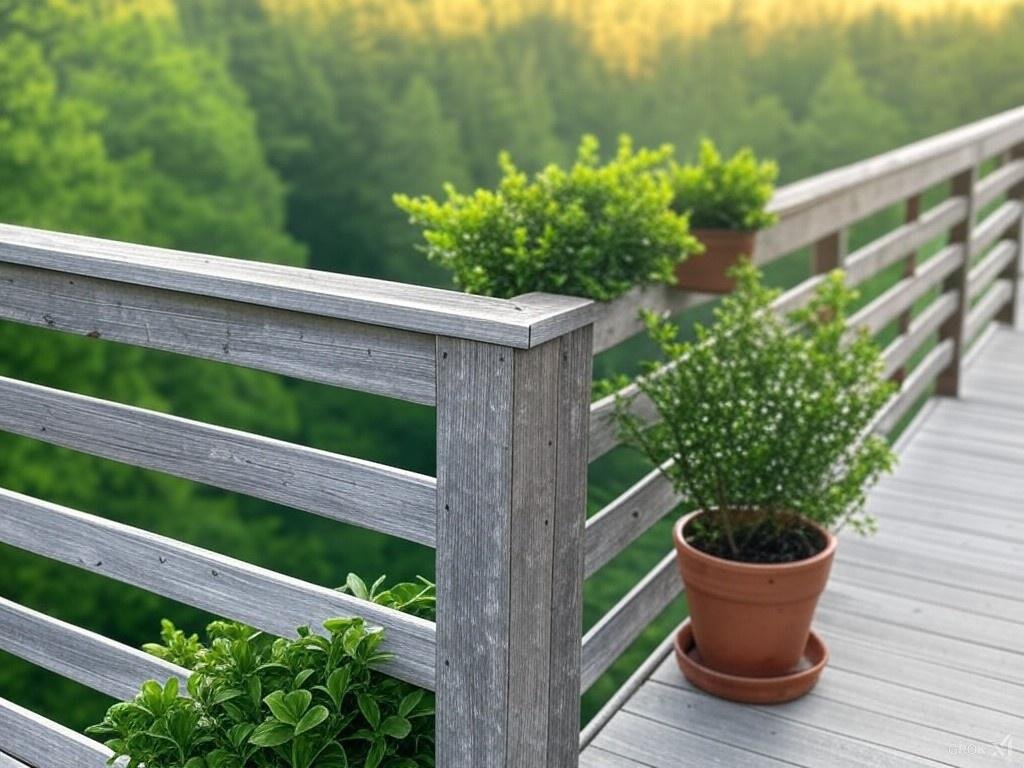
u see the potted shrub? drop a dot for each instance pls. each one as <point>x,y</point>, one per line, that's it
<point>314,701</point>
<point>725,201</point>
<point>765,420</point>
<point>594,230</point>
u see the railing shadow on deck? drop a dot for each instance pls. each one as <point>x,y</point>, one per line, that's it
<point>515,431</point>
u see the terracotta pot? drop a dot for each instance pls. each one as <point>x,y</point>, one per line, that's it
<point>751,619</point>
<point>706,272</point>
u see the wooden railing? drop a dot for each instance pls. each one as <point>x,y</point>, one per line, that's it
<point>510,381</point>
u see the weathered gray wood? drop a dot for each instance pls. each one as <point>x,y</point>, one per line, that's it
<point>361,299</point>
<point>216,583</point>
<point>371,495</point>
<point>618,320</point>
<point>510,496</point>
<point>321,349</point>
<point>557,315</point>
<point>569,514</point>
<point>899,351</point>
<point>9,762</point>
<point>995,225</point>
<point>912,212</point>
<point>618,628</point>
<point>903,295</point>
<point>1012,273</point>
<point>43,743</point>
<point>999,181</point>
<point>604,428</point>
<point>988,307</point>
<point>747,727</point>
<point>626,518</point>
<point>811,208</point>
<point>872,258</point>
<point>914,386</point>
<point>954,328</point>
<point>991,266</point>
<point>597,758</point>
<point>661,746</point>
<point>75,653</point>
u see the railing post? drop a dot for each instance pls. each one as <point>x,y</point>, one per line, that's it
<point>512,429</point>
<point>1009,313</point>
<point>912,213</point>
<point>828,253</point>
<point>948,382</point>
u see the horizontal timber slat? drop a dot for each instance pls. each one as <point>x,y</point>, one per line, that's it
<point>987,307</point>
<point>361,299</point>
<point>626,518</point>
<point>997,182</point>
<point>216,583</point>
<point>43,743</point>
<point>990,267</point>
<point>326,350</point>
<point>371,495</point>
<point>914,386</point>
<point>102,664</point>
<point>618,320</point>
<point>995,225</point>
<point>902,296</point>
<point>921,327</point>
<point>875,256</point>
<point>624,623</point>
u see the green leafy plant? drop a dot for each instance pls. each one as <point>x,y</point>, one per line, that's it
<point>765,418</point>
<point>315,701</point>
<point>720,193</point>
<point>593,230</point>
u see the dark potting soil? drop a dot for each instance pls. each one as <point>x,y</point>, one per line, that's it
<point>768,540</point>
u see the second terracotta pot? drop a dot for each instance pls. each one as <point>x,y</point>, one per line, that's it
<point>751,619</point>
<point>706,272</point>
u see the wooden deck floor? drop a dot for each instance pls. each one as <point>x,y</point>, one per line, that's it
<point>925,621</point>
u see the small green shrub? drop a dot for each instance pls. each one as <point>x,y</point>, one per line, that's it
<point>765,416</point>
<point>255,701</point>
<point>593,230</point>
<point>724,194</point>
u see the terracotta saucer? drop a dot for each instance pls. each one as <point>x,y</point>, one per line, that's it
<point>751,690</point>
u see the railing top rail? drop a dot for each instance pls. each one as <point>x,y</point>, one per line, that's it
<point>521,323</point>
<point>988,136</point>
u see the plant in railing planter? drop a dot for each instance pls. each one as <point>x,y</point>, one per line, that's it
<point>725,200</point>
<point>766,420</point>
<point>262,702</point>
<point>593,230</point>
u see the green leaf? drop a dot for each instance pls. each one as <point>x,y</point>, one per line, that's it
<point>376,754</point>
<point>331,756</point>
<point>288,707</point>
<point>225,694</point>
<point>312,719</point>
<point>370,709</point>
<point>357,587</point>
<point>271,734</point>
<point>409,702</point>
<point>396,727</point>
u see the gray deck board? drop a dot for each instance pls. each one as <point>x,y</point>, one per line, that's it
<point>925,621</point>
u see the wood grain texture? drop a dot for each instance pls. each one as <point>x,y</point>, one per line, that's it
<point>6,761</point>
<point>321,349</point>
<point>903,295</point>
<point>43,743</point>
<point>102,664</point>
<point>360,299</point>
<point>474,478</point>
<point>215,583</point>
<point>626,518</point>
<point>360,492</point>
<point>953,329</point>
<point>618,628</point>
<point>992,264</point>
<point>575,376</point>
